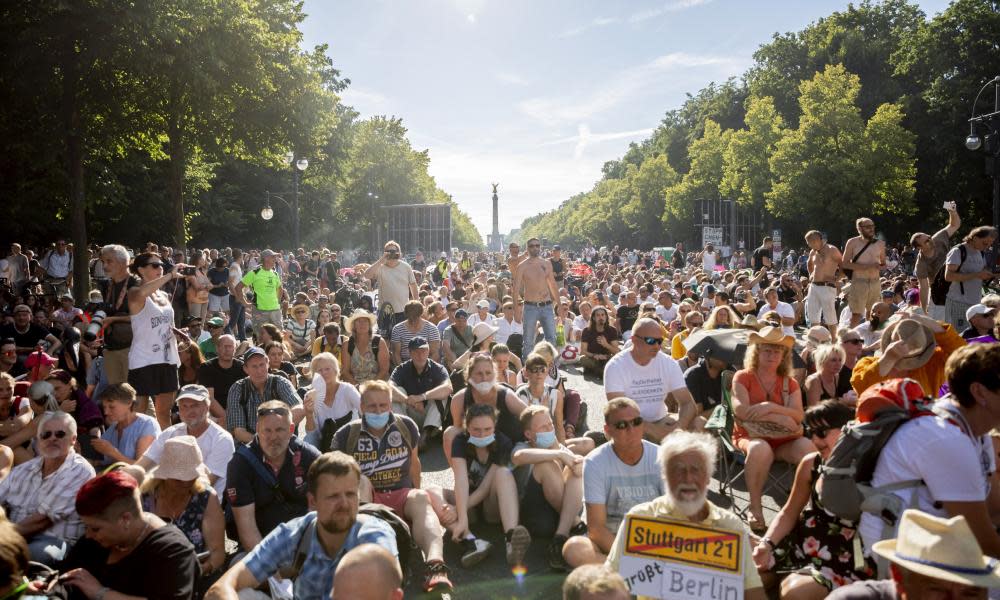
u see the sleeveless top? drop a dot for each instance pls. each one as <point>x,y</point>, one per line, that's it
<point>549,399</point>
<point>364,365</point>
<point>190,520</point>
<point>153,341</point>
<point>507,422</point>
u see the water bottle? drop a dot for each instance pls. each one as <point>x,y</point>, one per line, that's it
<point>560,335</point>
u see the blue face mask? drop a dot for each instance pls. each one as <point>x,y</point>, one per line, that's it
<point>482,442</point>
<point>377,420</point>
<point>545,439</point>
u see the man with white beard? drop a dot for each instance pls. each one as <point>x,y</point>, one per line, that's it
<point>688,461</point>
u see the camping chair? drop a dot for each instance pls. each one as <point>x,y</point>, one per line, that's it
<point>732,460</point>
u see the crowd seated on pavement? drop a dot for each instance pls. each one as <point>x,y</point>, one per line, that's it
<point>255,422</point>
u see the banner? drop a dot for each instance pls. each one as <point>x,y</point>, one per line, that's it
<point>669,559</point>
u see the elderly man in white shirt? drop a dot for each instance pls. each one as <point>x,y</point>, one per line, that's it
<point>40,495</point>
<point>508,324</point>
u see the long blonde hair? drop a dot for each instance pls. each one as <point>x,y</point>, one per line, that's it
<point>752,360</point>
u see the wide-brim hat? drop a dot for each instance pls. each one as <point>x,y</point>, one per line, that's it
<point>750,322</point>
<point>482,331</point>
<point>300,308</point>
<point>919,340</point>
<point>940,548</point>
<point>360,314</point>
<point>771,335</point>
<point>181,459</point>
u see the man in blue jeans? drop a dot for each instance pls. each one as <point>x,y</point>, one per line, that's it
<point>535,284</point>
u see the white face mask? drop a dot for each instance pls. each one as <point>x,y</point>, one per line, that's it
<point>483,387</point>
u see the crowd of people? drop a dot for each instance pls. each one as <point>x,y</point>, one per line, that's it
<point>252,423</point>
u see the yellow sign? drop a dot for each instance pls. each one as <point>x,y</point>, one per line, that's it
<point>684,542</point>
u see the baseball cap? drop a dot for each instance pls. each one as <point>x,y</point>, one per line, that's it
<point>483,304</point>
<point>267,253</point>
<point>190,319</point>
<point>193,391</point>
<point>461,314</point>
<point>978,309</point>
<point>557,247</point>
<point>888,293</point>
<point>253,351</point>
<point>216,322</point>
<point>418,342</point>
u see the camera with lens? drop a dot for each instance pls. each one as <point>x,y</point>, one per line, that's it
<point>188,270</point>
<point>392,254</point>
<point>95,326</point>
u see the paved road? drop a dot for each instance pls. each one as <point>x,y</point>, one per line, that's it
<point>492,578</point>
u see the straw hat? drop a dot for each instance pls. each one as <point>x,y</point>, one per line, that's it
<point>771,335</point>
<point>919,341</point>
<point>941,549</point>
<point>750,322</point>
<point>300,308</point>
<point>482,331</point>
<point>360,314</point>
<point>181,459</point>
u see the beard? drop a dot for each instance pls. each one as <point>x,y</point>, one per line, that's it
<point>689,500</point>
<point>338,522</point>
<point>534,252</point>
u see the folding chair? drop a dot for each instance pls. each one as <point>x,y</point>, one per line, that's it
<point>732,460</point>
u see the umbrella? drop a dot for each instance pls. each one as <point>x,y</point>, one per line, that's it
<point>729,345</point>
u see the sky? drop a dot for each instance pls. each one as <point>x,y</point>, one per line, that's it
<point>538,94</point>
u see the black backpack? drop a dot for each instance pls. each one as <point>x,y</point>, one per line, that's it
<point>940,286</point>
<point>376,338</point>
<point>371,510</point>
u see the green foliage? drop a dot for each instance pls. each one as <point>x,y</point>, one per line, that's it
<point>746,174</point>
<point>702,181</point>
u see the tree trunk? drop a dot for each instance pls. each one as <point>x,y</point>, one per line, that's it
<point>75,171</point>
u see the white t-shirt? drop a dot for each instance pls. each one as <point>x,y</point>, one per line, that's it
<point>648,385</point>
<point>953,466</point>
<point>216,450</point>
<point>346,400</point>
<point>784,310</point>
<point>579,323</point>
<point>708,260</point>
<point>489,320</point>
<point>507,329</point>
<point>666,314</point>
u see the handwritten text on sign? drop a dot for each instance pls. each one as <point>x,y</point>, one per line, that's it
<point>677,559</point>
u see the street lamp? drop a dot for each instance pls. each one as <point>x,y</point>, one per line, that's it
<point>990,122</point>
<point>267,213</point>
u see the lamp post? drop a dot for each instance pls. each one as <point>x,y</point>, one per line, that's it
<point>267,213</point>
<point>990,123</point>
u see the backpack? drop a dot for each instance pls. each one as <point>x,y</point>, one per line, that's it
<point>847,474</point>
<point>355,432</point>
<point>376,338</point>
<point>940,286</point>
<point>405,545</point>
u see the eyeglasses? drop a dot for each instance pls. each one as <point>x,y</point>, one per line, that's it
<point>60,434</point>
<point>623,425</point>
<point>281,412</point>
<point>538,369</point>
<point>651,341</point>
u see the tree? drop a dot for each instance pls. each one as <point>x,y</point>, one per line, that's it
<point>833,167</point>
<point>746,160</point>
<point>701,182</point>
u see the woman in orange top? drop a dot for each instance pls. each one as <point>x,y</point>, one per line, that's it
<point>767,404</point>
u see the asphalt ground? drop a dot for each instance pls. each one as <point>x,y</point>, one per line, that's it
<point>493,579</point>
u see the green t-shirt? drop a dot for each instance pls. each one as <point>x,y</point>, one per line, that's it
<point>208,349</point>
<point>265,285</point>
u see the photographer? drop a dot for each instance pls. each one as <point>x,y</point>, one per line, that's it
<point>395,282</point>
<point>117,325</point>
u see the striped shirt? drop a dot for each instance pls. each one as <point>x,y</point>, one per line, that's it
<point>402,335</point>
<point>243,400</point>
<point>26,492</point>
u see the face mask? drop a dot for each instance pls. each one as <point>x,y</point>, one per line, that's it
<point>377,420</point>
<point>482,442</point>
<point>483,387</point>
<point>545,439</point>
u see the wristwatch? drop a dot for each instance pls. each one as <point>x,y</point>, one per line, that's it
<point>767,540</point>
<point>102,592</point>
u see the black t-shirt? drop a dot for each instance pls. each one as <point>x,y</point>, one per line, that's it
<point>786,295</point>
<point>28,339</point>
<point>220,281</point>
<point>163,566</point>
<point>406,377</point>
<point>499,454</point>
<point>628,315</point>
<point>557,268</point>
<point>418,266</point>
<point>272,507</point>
<point>332,271</point>
<point>705,390</point>
<point>759,255</point>
<point>590,336</point>
<point>211,375</point>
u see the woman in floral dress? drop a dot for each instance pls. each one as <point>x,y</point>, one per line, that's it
<point>816,547</point>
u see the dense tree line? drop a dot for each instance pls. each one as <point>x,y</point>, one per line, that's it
<point>861,113</point>
<point>169,119</point>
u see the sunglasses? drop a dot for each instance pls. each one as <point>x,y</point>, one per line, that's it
<point>538,369</point>
<point>651,341</point>
<point>47,434</point>
<point>817,432</point>
<point>623,425</point>
<point>155,265</point>
<point>281,412</point>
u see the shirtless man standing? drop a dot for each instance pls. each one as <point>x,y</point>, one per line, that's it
<point>824,260</point>
<point>866,256</point>
<point>514,259</point>
<point>534,275</point>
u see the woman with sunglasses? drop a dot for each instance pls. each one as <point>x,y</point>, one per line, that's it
<point>814,545</point>
<point>153,358</point>
<point>767,405</point>
<point>482,388</point>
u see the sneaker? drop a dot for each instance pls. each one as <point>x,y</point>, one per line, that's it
<point>474,551</point>
<point>436,577</point>
<point>555,556</point>
<point>518,540</point>
<point>578,529</point>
